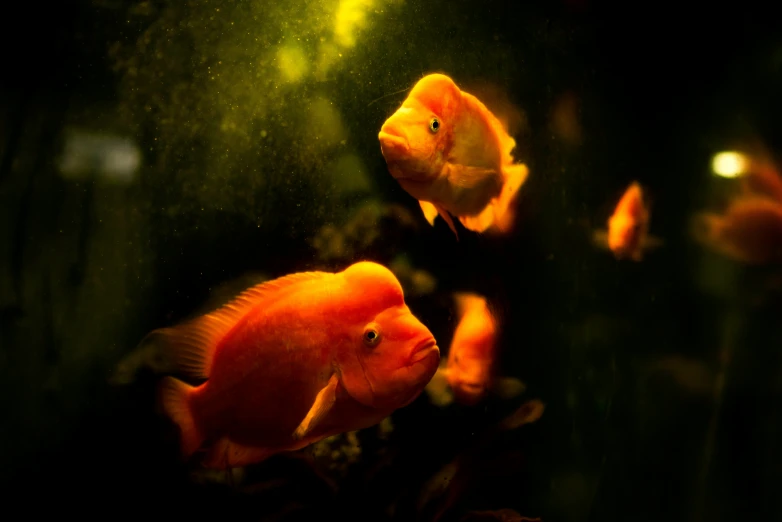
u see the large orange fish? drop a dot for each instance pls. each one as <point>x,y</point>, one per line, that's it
<point>470,368</point>
<point>447,150</point>
<point>294,360</point>
<point>628,227</point>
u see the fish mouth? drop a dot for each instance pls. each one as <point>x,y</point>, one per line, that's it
<point>393,145</point>
<point>424,349</point>
<point>470,394</point>
<point>472,388</point>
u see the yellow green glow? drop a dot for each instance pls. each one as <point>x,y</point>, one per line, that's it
<point>351,16</point>
<point>292,62</point>
<point>729,164</point>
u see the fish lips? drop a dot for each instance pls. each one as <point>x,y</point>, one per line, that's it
<point>423,350</point>
<point>393,146</point>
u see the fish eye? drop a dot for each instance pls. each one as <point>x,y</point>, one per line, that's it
<point>434,125</point>
<point>371,335</point>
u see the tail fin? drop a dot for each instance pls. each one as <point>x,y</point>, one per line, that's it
<point>174,397</point>
<point>504,215</point>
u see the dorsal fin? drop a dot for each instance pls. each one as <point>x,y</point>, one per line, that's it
<point>192,344</point>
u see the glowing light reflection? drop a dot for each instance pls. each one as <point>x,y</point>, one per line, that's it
<point>729,164</point>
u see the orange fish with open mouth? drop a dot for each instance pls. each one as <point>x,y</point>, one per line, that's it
<point>294,360</point>
<point>447,150</point>
<point>469,373</point>
<point>628,227</point>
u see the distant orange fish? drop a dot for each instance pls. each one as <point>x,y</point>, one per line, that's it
<point>750,230</point>
<point>762,178</point>
<point>447,150</point>
<point>470,369</point>
<point>294,360</point>
<point>628,227</point>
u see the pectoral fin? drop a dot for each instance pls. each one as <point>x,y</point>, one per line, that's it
<point>324,401</point>
<point>447,218</point>
<point>431,211</point>
<point>225,454</point>
<point>475,178</point>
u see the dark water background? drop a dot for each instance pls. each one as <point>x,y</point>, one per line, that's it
<point>87,266</point>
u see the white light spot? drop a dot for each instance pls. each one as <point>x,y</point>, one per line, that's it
<point>729,164</point>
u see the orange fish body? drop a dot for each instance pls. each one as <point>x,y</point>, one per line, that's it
<point>750,231</point>
<point>763,178</point>
<point>628,227</point>
<point>629,224</point>
<point>294,360</point>
<point>470,367</point>
<point>447,150</point>
<point>472,353</point>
